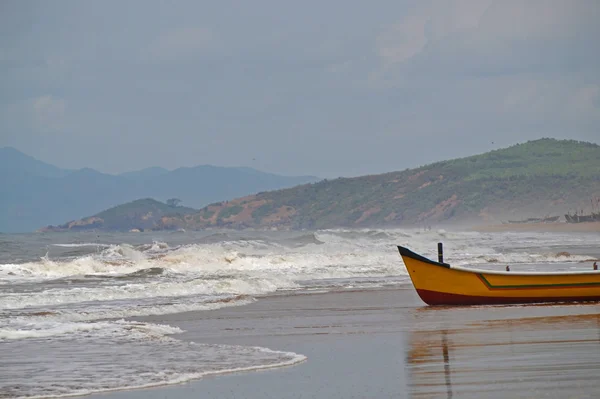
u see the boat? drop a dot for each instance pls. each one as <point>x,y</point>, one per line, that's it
<point>581,218</point>
<point>439,283</point>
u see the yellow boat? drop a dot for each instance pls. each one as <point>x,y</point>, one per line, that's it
<point>438,283</point>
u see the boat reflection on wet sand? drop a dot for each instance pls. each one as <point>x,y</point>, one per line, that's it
<point>553,356</point>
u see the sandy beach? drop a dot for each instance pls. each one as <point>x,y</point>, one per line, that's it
<point>386,343</point>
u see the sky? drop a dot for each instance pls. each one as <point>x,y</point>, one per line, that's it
<point>326,88</point>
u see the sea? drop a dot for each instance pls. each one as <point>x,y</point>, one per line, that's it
<point>70,302</point>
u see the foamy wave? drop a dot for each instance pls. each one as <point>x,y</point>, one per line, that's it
<point>155,247</point>
<point>305,239</point>
<point>85,265</point>
<point>160,379</point>
<point>79,245</point>
<point>123,259</point>
<point>362,234</point>
<point>124,355</point>
<point>258,267</point>
<point>137,291</point>
<point>113,260</point>
<point>123,252</point>
<point>46,329</point>
<point>41,331</point>
<point>63,321</point>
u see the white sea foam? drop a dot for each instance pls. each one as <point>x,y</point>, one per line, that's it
<point>134,291</point>
<point>122,259</point>
<point>44,329</point>
<point>122,354</point>
<point>81,245</point>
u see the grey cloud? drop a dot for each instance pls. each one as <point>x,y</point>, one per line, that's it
<point>504,38</point>
<point>335,88</point>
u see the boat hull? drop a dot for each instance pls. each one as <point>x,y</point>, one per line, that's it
<point>439,284</point>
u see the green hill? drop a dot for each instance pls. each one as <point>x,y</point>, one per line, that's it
<point>535,179</point>
<point>143,214</point>
<point>539,178</point>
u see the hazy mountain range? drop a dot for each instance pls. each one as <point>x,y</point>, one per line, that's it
<point>537,179</point>
<point>34,193</point>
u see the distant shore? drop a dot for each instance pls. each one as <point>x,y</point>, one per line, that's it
<point>541,227</point>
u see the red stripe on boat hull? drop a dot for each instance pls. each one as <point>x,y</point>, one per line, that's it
<point>443,298</point>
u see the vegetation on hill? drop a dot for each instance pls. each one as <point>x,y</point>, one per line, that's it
<point>537,178</point>
<point>143,214</point>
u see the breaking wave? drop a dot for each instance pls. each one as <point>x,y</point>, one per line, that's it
<point>145,353</point>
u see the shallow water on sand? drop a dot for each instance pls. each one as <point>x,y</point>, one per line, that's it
<point>385,343</point>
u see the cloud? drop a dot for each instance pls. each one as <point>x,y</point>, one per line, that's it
<point>403,40</point>
<point>49,113</point>
<point>180,44</point>
<point>286,83</point>
<point>505,66</point>
<point>429,22</point>
<point>474,38</point>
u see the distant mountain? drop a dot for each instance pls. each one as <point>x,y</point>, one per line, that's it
<point>12,161</point>
<point>539,178</point>
<point>35,194</point>
<point>148,173</point>
<point>143,214</point>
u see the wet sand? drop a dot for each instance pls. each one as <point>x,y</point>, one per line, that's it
<point>387,343</point>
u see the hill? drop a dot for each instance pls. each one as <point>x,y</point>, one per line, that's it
<point>34,193</point>
<point>537,178</point>
<point>148,173</point>
<point>13,162</point>
<point>142,214</point>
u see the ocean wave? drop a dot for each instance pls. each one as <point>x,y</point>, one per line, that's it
<point>156,246</point>
<point>322,254</point>
<point>81,245</point>
<point>214,238</point>
<point>48,329</point>
<point>35,323</point>
<point>145,353</point>
<point>123,252</point>
<point>137,291</point>
<point>150,272</point>
<point>359,234</point>
<point>302,240</point>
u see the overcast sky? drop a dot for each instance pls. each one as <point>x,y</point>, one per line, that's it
<point>328,88</point>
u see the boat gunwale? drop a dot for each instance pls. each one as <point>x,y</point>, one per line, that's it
<point>410,254</point>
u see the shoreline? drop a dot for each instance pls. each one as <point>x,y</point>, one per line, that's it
<point>387,343</point>
<point>559,227</point>
<point>480,227</point>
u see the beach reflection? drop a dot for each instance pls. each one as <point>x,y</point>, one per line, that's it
<point>548,356</point>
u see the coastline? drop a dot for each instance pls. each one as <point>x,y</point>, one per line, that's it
<point>384,343</point>
<point>559,227</point>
